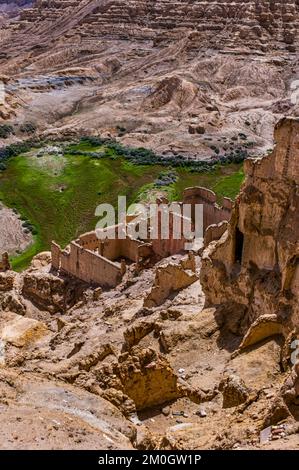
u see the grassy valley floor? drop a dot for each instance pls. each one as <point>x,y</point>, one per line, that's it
<point>58,194</point>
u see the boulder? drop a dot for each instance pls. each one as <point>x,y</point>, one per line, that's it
<point>22,331</point>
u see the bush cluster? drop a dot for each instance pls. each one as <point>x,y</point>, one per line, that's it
<point>29,226</point>
<point>166,178</point>
<point>143,156</point>
<point>28,128</point>
<point>12,151</point>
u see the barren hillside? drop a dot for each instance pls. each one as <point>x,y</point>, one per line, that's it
<point>181,77</point>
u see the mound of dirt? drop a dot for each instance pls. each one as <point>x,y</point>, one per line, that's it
<point>171,90</point>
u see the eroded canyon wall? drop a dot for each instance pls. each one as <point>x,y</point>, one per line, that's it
<point>190,77</point>
<point>253,270</point>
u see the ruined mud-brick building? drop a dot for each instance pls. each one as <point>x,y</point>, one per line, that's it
<point>102,260</point>
<point>252,272</point>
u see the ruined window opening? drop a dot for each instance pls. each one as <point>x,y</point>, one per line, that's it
<point>239,244</point>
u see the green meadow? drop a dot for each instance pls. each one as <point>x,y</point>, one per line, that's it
<point>58,195</point>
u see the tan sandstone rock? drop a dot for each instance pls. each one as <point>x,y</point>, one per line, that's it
<point>22,331</point>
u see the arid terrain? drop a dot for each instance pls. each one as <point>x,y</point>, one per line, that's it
<point>188,77</point>
<point>192,351</point>
<point>162,349</point>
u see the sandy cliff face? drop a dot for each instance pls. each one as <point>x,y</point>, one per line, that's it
<point>240,21</point>
<point>252,273</point>
<point>165,376</point>
<point>9,9</point>
<point>186,77</point>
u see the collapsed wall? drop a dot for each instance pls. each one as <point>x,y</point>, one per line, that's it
<point>99,261</point>
<point>253,270</point>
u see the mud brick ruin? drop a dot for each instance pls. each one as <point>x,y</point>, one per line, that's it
<point>102,260</point>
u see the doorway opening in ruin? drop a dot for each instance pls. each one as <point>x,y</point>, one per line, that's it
<point>239,244</point>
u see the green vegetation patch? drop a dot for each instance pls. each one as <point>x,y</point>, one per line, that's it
<point>58,195</point>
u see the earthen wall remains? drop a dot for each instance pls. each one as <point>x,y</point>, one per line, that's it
<point>212,212</point>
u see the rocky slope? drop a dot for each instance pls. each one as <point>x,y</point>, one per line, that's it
<point>192,352</point>
<point>10,9</point>
<point>187,77</point>
<point>252,272</point>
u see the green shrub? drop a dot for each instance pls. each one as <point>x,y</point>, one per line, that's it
<point>28,128</point>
